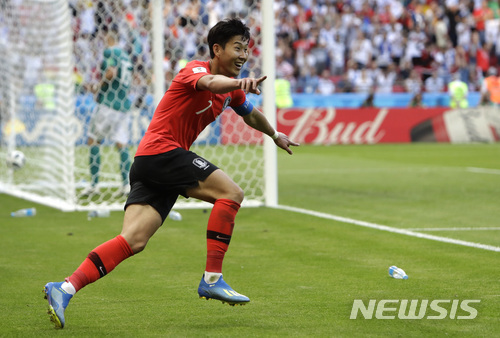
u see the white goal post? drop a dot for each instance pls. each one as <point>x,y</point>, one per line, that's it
<point>50,57</point>
<point>37,101</point>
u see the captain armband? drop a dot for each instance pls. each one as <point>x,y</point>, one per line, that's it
<point>245,109</point>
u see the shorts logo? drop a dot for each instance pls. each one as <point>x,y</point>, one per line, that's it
<point>201,163</point>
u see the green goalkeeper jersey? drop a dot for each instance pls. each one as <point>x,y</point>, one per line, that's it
<point>114,93</point>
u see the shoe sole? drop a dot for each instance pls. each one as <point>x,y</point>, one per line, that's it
<point>53,316</point>
<point>224,301</point>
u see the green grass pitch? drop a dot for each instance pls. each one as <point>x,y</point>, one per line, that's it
<point>301,272</point>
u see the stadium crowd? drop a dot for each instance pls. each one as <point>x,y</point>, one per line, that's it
<point>386,45</point>
<point>323,46</point>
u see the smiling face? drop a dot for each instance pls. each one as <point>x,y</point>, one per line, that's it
<point>228,44</point>
<point>230,58</point>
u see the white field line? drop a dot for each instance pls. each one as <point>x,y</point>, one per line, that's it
<point>389,170</point>
<point>389,229</point>
<point>455,229</point>
<point>483,170</point>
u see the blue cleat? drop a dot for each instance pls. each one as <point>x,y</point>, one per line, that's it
<point>221,291</point>
<point>58,301</point>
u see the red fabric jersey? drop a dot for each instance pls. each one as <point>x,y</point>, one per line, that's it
<point>184,111</point>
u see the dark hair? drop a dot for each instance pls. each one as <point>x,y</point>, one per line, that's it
<point>224,30</point>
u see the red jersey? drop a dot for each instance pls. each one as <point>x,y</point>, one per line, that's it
<point>184,111</point>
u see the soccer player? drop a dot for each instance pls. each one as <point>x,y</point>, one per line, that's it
<point>110,118</point>
<point>164,168</point>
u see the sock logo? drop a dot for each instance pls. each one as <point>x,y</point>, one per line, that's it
<point>218,236</point>
<point>94,257</point>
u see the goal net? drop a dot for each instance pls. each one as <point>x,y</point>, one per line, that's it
<point>52,61</point>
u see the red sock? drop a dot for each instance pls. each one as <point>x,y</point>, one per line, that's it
<point>219,231</point>
<point>101,261</point>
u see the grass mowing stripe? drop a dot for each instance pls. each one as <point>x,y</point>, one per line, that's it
<point>483,171</point>
<point>390,229</point>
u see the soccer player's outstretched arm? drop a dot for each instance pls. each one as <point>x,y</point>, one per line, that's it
<point>258,121</point>
<point>220,84</point>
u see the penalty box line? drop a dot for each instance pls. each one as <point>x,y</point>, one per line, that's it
<point>388,228</point>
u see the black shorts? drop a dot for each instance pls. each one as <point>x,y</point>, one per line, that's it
<point>158,180</point>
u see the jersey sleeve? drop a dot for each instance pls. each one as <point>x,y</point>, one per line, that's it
<point>240,103</point>
<point>190,74</point>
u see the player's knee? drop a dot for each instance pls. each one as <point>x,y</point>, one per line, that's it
<point>137,245</point>
<point>136,240</point>
<point>237,194</point>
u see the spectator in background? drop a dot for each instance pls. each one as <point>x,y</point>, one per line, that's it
<point>438,62</point>
<point>397,40</point>
<point>483,57</point>
<point>441,31</point>
<point>86,18</point>
<point>344,85</point>
<point>490,89</point>
<point>380,30</point>
<point>326,37</point>
<point>308,80</point>
<point>464,33</point>
<point>405,69</point>
<point>325,83</point>
<point>361,49</point>
<point>384,49</point>
<point>369,101</point>
<point>363,83</point>
<point>283,93</point>
<point>283,67</point>
<point>351,72</point>
<point>337,53</point>
<point>458,92</point>
<point>187,37</point>
<point>497,46</point>
<point>434,84</point>
<point>372,70</point>
<point>474,46</point>
<point>461,63</point>
<point>416,45</point>
<point>475,79</point>
<point>481,14</point>
<point>413,84</point>
<point>45,92</point>
<point>416,101</point>
<point>495,8</point>
<point>386,79</point>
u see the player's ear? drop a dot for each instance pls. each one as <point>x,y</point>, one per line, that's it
<point>217,49</point>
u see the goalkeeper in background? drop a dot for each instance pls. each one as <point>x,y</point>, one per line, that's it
<point>110,118</point>
<point>164,168</point>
